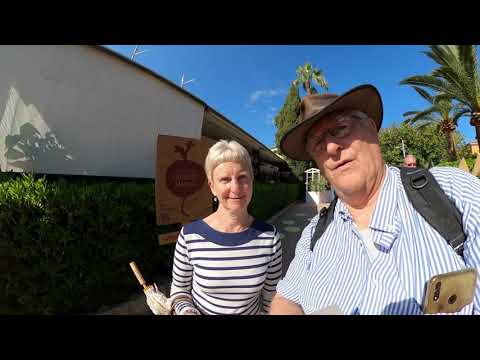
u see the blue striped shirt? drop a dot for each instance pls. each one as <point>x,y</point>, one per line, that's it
<point>226,273</point>
<point>339,271</point>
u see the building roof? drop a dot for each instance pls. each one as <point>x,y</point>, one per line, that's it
<point>214,122</point>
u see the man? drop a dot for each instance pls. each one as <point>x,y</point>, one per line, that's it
<point>410,161</point>
<point>377,254</point>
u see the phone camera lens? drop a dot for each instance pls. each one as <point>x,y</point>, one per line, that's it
<point>436,293</point>
<point>452,299</point>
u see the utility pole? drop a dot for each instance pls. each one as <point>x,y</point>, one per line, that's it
<point>403,148</point>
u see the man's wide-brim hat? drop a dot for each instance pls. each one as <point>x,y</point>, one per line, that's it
<point>315,107</point>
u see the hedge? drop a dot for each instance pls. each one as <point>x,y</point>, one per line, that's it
<point>65,247</point>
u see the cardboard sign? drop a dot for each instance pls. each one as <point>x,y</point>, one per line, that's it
<point>476,168</point>
<point>168,238</point>
<point>463,165</point>
<point>182,193</point>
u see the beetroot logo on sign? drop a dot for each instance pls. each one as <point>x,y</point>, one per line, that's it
<point>184,177</point>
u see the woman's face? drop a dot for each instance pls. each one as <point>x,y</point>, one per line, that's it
<point>232,184</point>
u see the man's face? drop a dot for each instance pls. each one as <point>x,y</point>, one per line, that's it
<point>347,151</point>
<point>410,161</point>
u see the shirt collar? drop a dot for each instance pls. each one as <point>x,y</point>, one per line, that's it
<point>383,218</point>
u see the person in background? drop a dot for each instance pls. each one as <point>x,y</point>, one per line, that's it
<point>228,262</point>
<point>410,161</point>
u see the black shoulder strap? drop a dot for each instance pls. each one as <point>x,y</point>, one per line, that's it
<point>428,198</point>
<point>325,218</point>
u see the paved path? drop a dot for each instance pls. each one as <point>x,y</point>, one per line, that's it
<point>289,222</point>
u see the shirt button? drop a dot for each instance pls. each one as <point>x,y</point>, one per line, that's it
<point>374,283</point>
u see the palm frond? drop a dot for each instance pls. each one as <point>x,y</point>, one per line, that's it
<point>425,115</point>
<point>440,85</point>
<point>457,114</point>
<point>318,77</point>
<point>440,97</point>
<point>408,113</point>
<point>454,76</point>
<point>468,58</point>
<point>423,93</point>
<point>307,73</point>
<point>444,55</point>
<point>424,123</point>
<point>428,81</point>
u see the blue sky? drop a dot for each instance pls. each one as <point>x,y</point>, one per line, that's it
<point>248,84</point>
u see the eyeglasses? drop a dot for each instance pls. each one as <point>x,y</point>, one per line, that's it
<point>343,128</point>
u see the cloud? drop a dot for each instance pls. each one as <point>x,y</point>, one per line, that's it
<point>263,94</point>
<point>270,118</point>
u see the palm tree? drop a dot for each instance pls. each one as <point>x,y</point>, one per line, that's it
<point>306,74</point>
<point>458,77</point>
<point>441,112</point>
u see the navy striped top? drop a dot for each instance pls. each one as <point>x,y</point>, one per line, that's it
<point>226,273</point>
<point>339,271</point>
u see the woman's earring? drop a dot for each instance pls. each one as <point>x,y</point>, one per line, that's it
<point>215,199</point>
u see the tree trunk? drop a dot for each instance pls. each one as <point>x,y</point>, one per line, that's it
<point>452,152</point>
<point>307,87</point>
<point>448,127</point>
<point>475,121</point>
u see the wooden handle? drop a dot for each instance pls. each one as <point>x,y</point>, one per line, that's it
<point>138,275</point>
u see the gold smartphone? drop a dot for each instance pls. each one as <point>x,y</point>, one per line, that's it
<point>450,292</point>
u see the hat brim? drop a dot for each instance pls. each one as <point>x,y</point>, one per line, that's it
<point>365,98</point>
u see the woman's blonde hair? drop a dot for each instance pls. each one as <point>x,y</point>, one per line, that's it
<point>226,151</point>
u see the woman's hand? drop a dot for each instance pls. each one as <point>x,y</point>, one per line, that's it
<point>158,303</point>
<point>190,311</point>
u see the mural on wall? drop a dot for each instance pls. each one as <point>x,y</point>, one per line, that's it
<point>182,193</point>
<point>26,141</point>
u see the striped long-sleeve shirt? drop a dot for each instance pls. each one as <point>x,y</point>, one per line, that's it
<point>340,272</point>
<point>226,273</point>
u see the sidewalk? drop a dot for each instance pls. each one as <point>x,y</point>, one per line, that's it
<point>289,221</point>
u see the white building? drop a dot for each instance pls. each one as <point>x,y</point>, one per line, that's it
<point>86,110</point>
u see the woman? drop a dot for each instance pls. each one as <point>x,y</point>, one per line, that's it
<point>228,262</point>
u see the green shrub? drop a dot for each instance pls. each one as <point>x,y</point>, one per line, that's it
<point>67,246</point>
<point>318,184</point>
<point>269,198</point>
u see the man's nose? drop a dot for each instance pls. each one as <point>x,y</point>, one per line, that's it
<point>332,145</point>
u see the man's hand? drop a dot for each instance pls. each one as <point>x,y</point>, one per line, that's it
<point>282,306</point>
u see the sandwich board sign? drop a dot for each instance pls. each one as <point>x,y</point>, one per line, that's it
<point>182,193</point>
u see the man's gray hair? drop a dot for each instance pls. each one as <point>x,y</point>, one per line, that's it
<point>227,151</point>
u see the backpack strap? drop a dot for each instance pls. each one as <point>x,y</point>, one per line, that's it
<point>429,199</point>
<point>325,218</point>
